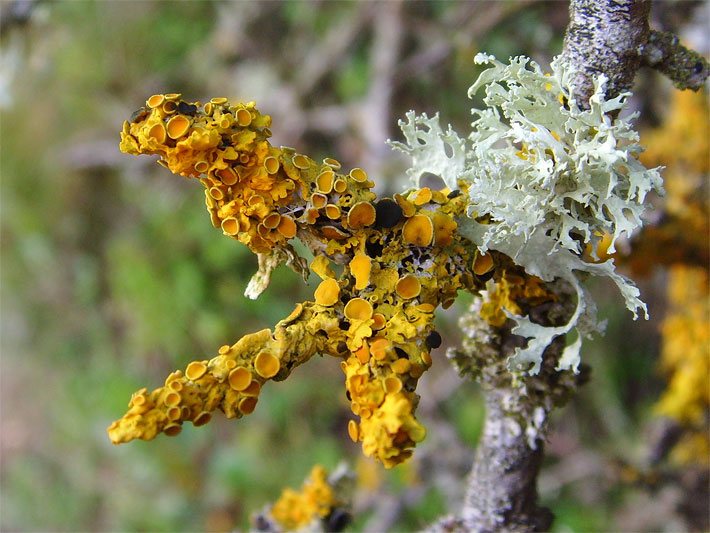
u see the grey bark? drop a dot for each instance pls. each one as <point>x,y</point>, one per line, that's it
<point>605,37</point>
<point>502,491</point>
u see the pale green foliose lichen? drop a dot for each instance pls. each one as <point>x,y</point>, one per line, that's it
<point>546,178</point>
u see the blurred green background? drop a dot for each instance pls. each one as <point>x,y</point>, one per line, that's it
<point>112,275</point>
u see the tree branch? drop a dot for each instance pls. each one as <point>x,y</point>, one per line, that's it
<point>686,68</point>
<point>604,37</point>
<point>502,489</point>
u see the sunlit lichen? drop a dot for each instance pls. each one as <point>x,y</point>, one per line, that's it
<point>401,259</point>
<point>546,179</point>
<point>314,501</point>
<point>508,225</point>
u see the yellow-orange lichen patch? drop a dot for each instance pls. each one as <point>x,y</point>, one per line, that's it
<point>358,175</point>
<point>202,167</point>
<point>157,133</point>
<point>267,365</point>
<point>253,389</point>
<point>219,100</point>
<point>363,353</point>
<point>426,357</point>
<point>358,309</point>
<point>353,430</point>
<point>379,348</point>
<point>294,314</point>
<point>178,126</point>
<point>271,164</point>
<point>287,227</point>
<point>230,226</point>
<point>331,232</point>
<point>324,181</point>
<point>332,163</point>
<point>172,399</point>
<point>393,385</point>
<point>423,196</point>
<point>243,117</point>
<point>172,430</point>
<point>362,214</point>
<point>228,176</point>
<point>379,321</point>
<point>247,405</point>
<point>340,185</point>
<point>360,266</point>
<point>418,230</point>
<point>319,200</point>
<point>169,107</point>
<point>216,193</point>
<point>444,229</point>
<point>155,101</point>
<point>327,293</point>
<point>408,208</point>
<point>332,211</point>
<point>202,418</point>
<point>272,220</point>
<point>482,264</point>
<point>195,370</point>
<point>408,287</point>
<point>240,378</point>
<point>401,366</point>
<point>301,161</point>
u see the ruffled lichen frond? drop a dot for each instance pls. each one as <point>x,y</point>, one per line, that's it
<point>547,179</point>
<point>321,504</point>
<point>402,257</point>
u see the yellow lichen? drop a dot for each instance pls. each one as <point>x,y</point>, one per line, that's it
<point>315,500</point>
<point>401,258</point>
<point>509,292</point>
<point>680,241</point>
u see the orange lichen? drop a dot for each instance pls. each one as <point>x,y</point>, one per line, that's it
<point>267,365</point>
<point>482,264</point>
<point>401,258</point>
<point>178,126</point>
<point>418,230</point>
<point>358,309</point>
<point>408,287</point>
<point>361,215</point>
<point>510,292</point>
<point>360,266</point>
<point>315,500</point>
<point>327,292</point>
<point>680,241</point>
<point>240,378</point>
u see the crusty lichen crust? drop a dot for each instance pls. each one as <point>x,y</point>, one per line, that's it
<point>402,258</point>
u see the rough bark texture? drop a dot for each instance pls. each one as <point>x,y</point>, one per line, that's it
<point>605,37</point>
<point>687,69</point>
<point>502,491</point>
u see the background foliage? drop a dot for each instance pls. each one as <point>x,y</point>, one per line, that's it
<point>112,275</point>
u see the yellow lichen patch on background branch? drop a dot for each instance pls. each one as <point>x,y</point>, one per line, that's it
<point>679,240</point>
<point>316,500</point>
<point>402,258</point>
